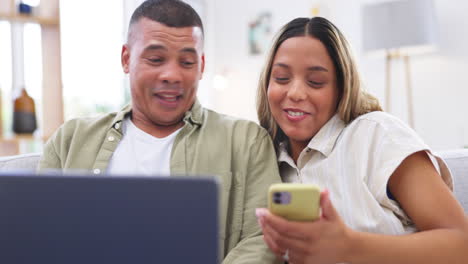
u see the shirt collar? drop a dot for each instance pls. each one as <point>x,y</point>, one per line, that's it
<point>194,115</point>
<point>119,117</point>
<point>283,155</point>
<point>324,141</point>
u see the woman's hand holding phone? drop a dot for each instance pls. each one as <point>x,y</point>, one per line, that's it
<point>324,240</point>
<point>296,202</point>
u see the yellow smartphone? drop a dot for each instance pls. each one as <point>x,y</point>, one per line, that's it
<point>295,202</point>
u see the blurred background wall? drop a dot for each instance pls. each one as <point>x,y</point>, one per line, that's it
<point>93,31</point>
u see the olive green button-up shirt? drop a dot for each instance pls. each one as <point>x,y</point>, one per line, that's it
<point>238,152</point>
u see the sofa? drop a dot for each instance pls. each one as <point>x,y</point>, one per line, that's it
<point>457,161</point>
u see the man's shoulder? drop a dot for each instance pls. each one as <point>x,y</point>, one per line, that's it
<point>86,126</point>
<point>217,121</point>
<point>80,136</point>
<point>103,120</point>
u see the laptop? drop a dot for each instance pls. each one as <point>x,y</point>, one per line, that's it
<point>46,219</point>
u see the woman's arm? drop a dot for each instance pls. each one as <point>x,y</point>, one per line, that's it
<point>443,236</point>
<point>426,199</point>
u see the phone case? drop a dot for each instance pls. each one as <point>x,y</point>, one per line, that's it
<point>297,202</point>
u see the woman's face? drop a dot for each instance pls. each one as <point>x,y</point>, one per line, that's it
<point>302,92</point>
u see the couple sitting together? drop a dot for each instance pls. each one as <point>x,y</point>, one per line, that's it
<point>387,198</point>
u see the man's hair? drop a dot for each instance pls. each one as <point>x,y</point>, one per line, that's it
<point>172,13</point>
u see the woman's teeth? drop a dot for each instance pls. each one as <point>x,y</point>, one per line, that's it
<point>291,113</point>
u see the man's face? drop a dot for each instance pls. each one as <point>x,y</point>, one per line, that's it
<point>165,65</point>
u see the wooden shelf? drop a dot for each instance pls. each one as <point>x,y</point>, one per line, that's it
<point>29,19</point>
<point>20,144</point>
<point>52,101</point>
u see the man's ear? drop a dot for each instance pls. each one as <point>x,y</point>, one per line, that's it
<point>202,65</point>
<point>125,58</point>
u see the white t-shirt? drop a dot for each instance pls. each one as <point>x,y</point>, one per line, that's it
<point>355,162</point>
<point>139,153</point>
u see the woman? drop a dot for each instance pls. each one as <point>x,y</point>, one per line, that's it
<point>387,198</point>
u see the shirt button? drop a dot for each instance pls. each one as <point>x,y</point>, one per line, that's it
<point>117,126</point>
<point>111,138</point>
<point>308,150</point>
<point>96,171</point>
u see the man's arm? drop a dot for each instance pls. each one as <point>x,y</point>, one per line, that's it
<point>261,173</point>
<point>50,158</point>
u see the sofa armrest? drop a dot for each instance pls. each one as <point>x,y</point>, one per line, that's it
<point>457,161</point>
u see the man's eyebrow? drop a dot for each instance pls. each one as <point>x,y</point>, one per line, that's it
<point>161,47</point>
<point>155,47</point>
<point>190,50</point>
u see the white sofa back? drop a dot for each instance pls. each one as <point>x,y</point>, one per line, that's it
<point>457,161</point>
<point>27,162</point>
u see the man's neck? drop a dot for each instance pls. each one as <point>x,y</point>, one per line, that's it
<point>159,131</point>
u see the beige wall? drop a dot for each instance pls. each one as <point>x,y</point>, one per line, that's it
<point>439,79</point>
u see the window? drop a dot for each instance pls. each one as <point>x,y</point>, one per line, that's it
<point>92,38</point>
<point>33,66</point>
<point>6,75</point>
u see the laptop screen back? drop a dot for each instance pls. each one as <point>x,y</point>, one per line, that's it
<point>89,219</point>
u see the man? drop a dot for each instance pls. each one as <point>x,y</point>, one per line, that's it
<point>166,130</point>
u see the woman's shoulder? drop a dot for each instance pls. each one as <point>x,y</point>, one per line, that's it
<point>379,117</point>
<point>380,121</point>
<point>385,126</point>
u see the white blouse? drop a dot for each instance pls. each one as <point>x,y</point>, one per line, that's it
<point>355,162</point>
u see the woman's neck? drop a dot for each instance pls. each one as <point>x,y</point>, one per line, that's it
<point>295,148</point>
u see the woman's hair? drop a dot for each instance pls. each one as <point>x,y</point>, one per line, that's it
<point>353,101</point>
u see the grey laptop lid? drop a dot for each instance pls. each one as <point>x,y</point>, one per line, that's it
<point>89,219</point>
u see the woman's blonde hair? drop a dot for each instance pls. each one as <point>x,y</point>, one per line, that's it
<point>353,100</point>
